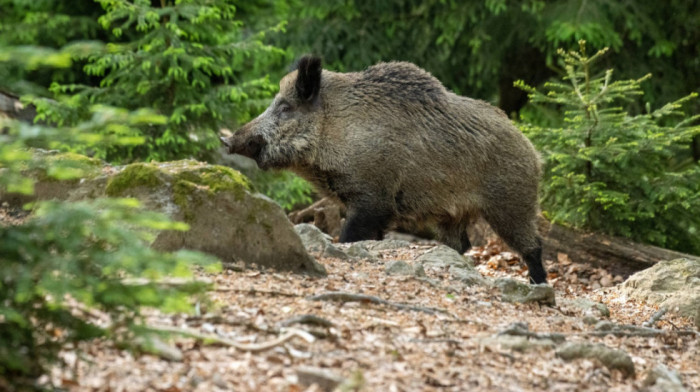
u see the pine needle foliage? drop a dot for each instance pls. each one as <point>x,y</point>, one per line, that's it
<point>189,60</point>
<point>613,171</point>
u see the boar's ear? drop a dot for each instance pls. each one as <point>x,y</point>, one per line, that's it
<point>308,81</point>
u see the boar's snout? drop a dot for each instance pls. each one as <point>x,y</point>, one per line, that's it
<point>252,147</point>
<point>249,147</point>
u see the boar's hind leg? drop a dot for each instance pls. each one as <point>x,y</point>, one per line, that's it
<point>519,231</point>
<point>454,235</point>
<point>364,224</point>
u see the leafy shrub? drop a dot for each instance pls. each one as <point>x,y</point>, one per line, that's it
<point>190,61</point>
<point>54,24</point>
<point>71,259</point>
<point>609,170</point>
<point>284,187</point>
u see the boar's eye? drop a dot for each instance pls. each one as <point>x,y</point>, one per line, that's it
<point>284,108</point>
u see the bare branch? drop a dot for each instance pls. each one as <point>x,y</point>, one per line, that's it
<point>211,339</point>
<point>352,297</point>
<point>655,317</point>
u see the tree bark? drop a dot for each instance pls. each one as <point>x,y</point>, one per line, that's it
<point>325,214</point>
<point>11,106</point>
<point>617,255</point>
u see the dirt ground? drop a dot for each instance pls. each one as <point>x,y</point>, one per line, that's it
<point>378,347</point>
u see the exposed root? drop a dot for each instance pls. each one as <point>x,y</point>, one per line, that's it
<point>253,291</point>
<point>522,329</point>
<point>352,297</point>
<point>210,339</point>
<point>307,319</point>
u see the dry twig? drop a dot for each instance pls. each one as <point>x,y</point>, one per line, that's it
<point>522,329</point>
<point>253,291</point>
<point>214,339</point>
<point>634,330</point>
<point>307,319</point>
<point>439,340</point>
<point>352,297</point>
<point>168,281</point>
<point>655,317</point>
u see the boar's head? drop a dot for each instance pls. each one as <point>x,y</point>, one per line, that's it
<point>285,134</point>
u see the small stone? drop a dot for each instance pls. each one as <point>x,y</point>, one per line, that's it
<point>318,242</point>
<point>663,379</point>
<point>374,247</point>
<point>325,379</point>
<point>196,380</point>
<point>609,357</point>
<point>154,345</point>
<point>398,267</point>
<point>443,255</point>
<point>586,307</point>
<point>418,270</point>
<point>219,381</point>
<point>604,326</point>
<point>314,240</point>
<point>359,251</point>
<point>514,291</point>
<point>467,276</point>
<point>335,252</point>
<point>360,275</point>
<point>517,343</point>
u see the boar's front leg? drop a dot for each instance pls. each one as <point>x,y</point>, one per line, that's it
<point>365,222</point>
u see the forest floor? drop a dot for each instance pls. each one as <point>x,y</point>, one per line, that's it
<point>380,347</point>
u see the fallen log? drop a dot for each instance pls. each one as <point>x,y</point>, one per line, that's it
<point>619,256</point>
<point>11,106</point>
<point>325,214</point>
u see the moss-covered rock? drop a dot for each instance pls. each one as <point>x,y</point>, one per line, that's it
<point>133,176</point>
<point>55,166</point>
<point>226,218</point>
<point>611,358</point>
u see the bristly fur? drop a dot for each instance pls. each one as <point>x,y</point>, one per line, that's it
<point>308,81</point>
<point>396,147</point>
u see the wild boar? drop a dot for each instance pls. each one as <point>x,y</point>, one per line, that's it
<point>396,147</point>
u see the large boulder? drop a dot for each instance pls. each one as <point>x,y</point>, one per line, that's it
<point>672,283</point>
<point>226,218</point>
